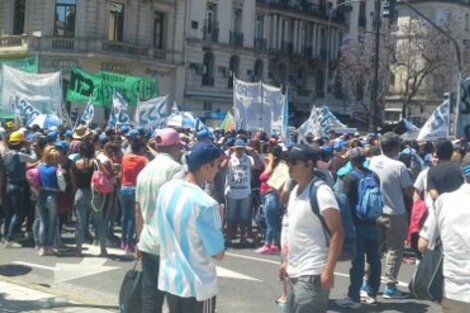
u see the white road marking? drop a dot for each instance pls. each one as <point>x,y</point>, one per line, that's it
<point>241,256</point>
<point>226,273</point>
<point>41,267</point>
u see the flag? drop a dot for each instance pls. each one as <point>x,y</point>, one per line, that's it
<point>25,112</point>
<point>228,123</point>
<point>310,126</point>
<point>119,116</point>
<point>411,131</point>
<point>328,120</point>
<point>437,126</point>
<point>463,114</point>
<point>152,113</point>
<point>285,118</point>
<point>88,113</point>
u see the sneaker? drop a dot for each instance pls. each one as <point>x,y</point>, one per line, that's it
<point>367,299</point>
<point>274,249</point>
<point>394,293</point>
<point>263,250</point>
<point>11,245</point>
<point>348,303</point>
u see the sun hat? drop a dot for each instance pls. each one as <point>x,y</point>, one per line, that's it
<point>81,132</point>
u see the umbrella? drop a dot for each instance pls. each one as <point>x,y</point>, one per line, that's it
<point>185,120</point>
<point>46,121</point>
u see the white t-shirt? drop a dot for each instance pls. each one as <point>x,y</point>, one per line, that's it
<point>451,220</point>
<point>303,234</point>
<point>394,177</point>
<point>421,186</point>
<point>238,180</point>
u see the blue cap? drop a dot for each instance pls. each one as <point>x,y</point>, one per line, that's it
<point>327,148</point>
<point>52,136</point>
<point>141,130</point>
<point>133,133</point>
<point>62,145</point>
<point>239,143</point>
<point>68,133</point>
<point>124,129</point>
<point>340,145</point>
<point>201,153</point>
<point>103,138</point>
<point>204,134</point>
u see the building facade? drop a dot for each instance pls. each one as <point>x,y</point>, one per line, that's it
<point>133,37</point>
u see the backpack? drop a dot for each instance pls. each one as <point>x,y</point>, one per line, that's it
<point>370,202</point>
<point>15,169</point>
<point>100,181</point>
<point>32,177</point>
<point>130,294</point>
<point>346,218</point>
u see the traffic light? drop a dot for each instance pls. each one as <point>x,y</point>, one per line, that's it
<point>388,9</point>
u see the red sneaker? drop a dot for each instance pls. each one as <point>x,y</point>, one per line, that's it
<point>263,250</point>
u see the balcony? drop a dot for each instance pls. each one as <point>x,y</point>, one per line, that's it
<point>236,39</point>
<point>287,47</point>
<point>307,51</point>
<point>260,44</point>
<point>78,45</point>
<point>211,31</point>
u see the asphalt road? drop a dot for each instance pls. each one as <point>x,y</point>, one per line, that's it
<point>248,282</point>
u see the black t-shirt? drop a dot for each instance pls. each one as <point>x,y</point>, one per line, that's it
<point>445,177</point>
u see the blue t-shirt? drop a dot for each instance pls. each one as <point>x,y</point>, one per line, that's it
<point>190,230</point>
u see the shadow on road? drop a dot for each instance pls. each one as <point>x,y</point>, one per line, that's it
<point>17,306</point>
<point>11,270</point>
<point>404,306</point>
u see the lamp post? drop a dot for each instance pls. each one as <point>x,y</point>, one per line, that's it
<point>328,29</point>
<point>457,52</point>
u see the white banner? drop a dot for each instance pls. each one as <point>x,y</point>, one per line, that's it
<point>437,126</point>
<point>463,115</point>
<point>152,113</point>
<point>43,91</point>
<point>119,116</point>
<point>88,114</point>
<point>272,108</point>
<point>24,111</point>
<point>320,122</point>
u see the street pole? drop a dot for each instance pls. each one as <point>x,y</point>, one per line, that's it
<point>375,89</point>
<point>457,53</point>
<point>327,63</point>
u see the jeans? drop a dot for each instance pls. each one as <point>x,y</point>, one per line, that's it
<point>127,199</point>
<point>306,295</point>
<point>152,297</point>
<point>366,246</point>
<point>83,207</point>
<point>47,212</point>
<point>14,207</point>
<point>106,203</point>
<point>272,211</point>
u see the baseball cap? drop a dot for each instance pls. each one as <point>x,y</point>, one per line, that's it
<point>276,151</point>
<point>303,153</point>
<point>140,130</point>
<point>124,129</point>
<point>103,138</point>
<point>68,133</point>
<point>167,137</point>
<point>62,145</point>
<point>201,153</point>
<point>203,134</point>
<point>466,164</point>
<point>133,133</point>
<point>52,136</point>
<point>239,143</point>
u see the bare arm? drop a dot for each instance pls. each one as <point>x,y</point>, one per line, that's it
<point>422,244</point>
<point>139,221</point>
<point>434,194</point>
<point>333,222</point>
<point>219,257</point>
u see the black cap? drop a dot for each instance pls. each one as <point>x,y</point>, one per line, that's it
<point>304,153</point>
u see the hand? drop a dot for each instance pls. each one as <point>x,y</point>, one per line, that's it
<point>138,254</point>
<point>327,280</point>
<point>283,271</point>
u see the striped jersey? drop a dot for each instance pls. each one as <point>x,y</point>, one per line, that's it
<point>190,231</point>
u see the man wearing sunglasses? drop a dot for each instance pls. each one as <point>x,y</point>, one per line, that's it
<point>310,257</point>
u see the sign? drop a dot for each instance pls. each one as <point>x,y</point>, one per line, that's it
<point>152,113</point>
<point>43,91</point>
<point>279,176</point>
<point>100,87</point>
<point>437,126</point>
<point>25,111</point>
<point>119,116</point>
<point>463,115</point>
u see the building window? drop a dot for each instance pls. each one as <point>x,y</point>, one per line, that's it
<point>362,22</point>
<point>467,22</point>
<point>320,83</point>
<point>211,17</point>
<point>159,30</point>
<point>234,68</point>
<point>18,18</point>
<point>259,27</point>
<point>258,71</point>
<point>208,69</point>
<point>65,11</point>
<point>237,21</point>
<point>116,22</point>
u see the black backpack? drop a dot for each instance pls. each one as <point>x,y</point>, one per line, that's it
<point>130,294</point>
<point>15,169</point>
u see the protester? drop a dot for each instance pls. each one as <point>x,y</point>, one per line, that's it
<point>395,185</point>
<point>310,259</point>
<point>448,223</point>
<point>163,168</point>
<point>189,224</point>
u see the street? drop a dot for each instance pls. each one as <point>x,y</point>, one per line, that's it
<point>248,282</point>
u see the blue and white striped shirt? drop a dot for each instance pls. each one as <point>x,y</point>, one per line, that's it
<point>189,226</point>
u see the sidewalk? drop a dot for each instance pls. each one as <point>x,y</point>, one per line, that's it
<point>17,298</point>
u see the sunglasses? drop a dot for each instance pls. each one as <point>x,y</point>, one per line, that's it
<point>293,162</point>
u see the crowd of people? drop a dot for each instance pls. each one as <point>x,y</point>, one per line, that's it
<point>180,198</point>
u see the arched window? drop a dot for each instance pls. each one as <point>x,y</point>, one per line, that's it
<point>234,68</point>
<point>320,83</point>
<point>208,69</point>
<point>258,71</point>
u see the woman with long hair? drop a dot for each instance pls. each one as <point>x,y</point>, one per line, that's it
<point>271,203</point>
<point>81,172</point>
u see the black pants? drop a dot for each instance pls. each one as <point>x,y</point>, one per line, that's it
<point>152,298</point>
<point>189,305</point>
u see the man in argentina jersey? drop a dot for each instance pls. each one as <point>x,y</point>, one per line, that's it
<point>190,229</point>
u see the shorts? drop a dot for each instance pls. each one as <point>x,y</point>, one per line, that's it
<point>306,295</point>
<point>239,209</point>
